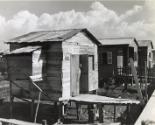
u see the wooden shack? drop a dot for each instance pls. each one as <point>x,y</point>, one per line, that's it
<point>63,63</point>
<point>145,55</point>
<point>114,54</point>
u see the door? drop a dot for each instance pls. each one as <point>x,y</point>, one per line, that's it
<point>84,73</point>
<point>75,75</point>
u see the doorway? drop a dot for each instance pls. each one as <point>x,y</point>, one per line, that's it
<point>79,74</point>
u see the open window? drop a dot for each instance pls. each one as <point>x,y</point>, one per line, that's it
<point>107,57</point>
<point>91,62</point>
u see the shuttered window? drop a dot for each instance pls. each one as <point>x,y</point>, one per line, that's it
<point>91,62</point>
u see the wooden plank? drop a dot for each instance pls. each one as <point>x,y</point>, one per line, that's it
<point>75,75</point>
<point>100,106</point>
<point>16,122</point>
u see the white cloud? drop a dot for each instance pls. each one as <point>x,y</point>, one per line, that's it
<point>101,21</point>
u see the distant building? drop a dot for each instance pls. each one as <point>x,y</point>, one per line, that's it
<point>145,53</point>
<point>114,54</point>
<point>64,61</point>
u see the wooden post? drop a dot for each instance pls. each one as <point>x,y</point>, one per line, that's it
<point>77,110</point>
<point>32,109</point>
<point>114,113</point>
<point>100,106</point>
<point>90,113</point>
<point>127,116</point>
<point>37,108</point>
<point>134,73</point>
<point>61,111</point>
<point>146,81</point>
<point>11,106</point>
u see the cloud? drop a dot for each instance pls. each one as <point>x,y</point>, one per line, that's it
<point>101,21</point>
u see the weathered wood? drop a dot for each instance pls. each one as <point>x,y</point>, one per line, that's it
<point>90,113</point>
<point>32,109</point>
<point>16,122</point>
<point>100,106</point>
<point>114,113</point>
<point>75,75</point>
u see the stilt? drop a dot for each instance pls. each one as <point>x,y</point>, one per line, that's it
<point>90,113</point>
<point>100,106</point>
<point>32,110</point>
<point>11,106</point>
<point>61,111</point>
<point>128,112</point>
<point>11,101</point>
<point>114,113</point>
<point>77,110</point>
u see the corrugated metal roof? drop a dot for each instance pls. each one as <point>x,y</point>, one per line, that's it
<point>117,41</point>
<point>90,98</point>
<point>28,49</point>
<point>49,36</point>
<point>145,43</point>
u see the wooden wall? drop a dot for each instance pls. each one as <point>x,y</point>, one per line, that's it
<point>78,45</point>
<point>19,68</point>
<point>106,70</point>
<point>54,58</point>
<point>53,62</point>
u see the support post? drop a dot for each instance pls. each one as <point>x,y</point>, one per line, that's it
<point>61,108</point>
<point>146,74</point>
<point>90,113</point>
<point>11,106</point>
<point>114,113</point>
<point>32,109</point>
<point>100,106</point>
<point>77,110</point>
<point>127,116</point>
<point>37,108</point>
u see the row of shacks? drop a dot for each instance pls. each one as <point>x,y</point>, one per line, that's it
<point>67,63</point>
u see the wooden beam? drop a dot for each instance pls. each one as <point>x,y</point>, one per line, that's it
<point>32,109</point>
<point>114,113</point>
<point>100,106</point>
<point>128,113</point>
<point>134,73</point>
<point>90,113</point>
<point>77,110</point>
<point>61,108</point>
<point>11,106</point>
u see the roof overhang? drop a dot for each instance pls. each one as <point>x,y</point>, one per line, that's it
<point>23,50</point>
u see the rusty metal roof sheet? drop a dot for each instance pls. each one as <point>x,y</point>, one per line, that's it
<point>49,36</point>
<point>91,98</point>
<point>145,43</point>
<point>118,41</point>
<point>23,50</point>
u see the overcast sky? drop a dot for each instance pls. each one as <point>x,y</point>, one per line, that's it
<point>106,18</point>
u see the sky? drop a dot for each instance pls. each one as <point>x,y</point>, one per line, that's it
<point>103,18</point>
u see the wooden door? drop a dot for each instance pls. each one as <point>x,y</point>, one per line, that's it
<point>84,73</point>
<point>75,75</point>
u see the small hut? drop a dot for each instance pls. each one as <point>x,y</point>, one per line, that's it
<point>114,54</point>
<point>63,63</point>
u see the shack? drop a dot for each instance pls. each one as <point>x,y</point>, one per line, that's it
<point>114,54</point>
<point>145,56</point>
<point>63,63</point>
